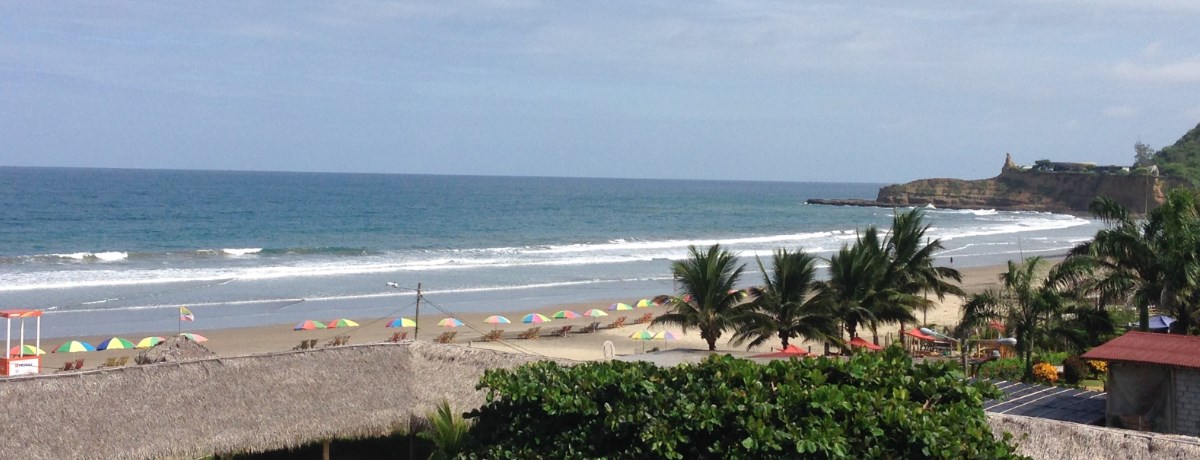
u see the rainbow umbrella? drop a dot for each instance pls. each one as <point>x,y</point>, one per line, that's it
<point>74,346</point>
<point>194,337</point>
<point>341,323</point>
<point>115,343</point>
<point>496,319</point>
<point>150,341</point>
<point>595,312</point>
<point>666,335</point>
<point>645,303</point>
<point>450,322</point>
<point>619,307</point>
<point>535,318</point>
<point>309,325</point>
<point>564,314</point>
<point>642,335</point>
<point>27,350</point>
<point>402,322</point>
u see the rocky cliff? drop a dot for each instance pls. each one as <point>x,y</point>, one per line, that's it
<point>1022,189</point>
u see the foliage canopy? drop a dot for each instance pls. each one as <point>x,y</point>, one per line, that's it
<point>874,405</point>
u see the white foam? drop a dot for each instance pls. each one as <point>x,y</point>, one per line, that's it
<point>241,251</point>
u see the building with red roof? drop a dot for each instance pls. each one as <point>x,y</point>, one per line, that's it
<point>1153,382</point>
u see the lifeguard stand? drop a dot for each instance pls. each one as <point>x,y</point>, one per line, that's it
<point>20,364</point>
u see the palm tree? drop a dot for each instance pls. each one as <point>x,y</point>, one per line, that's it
<point>783,307</point>
<point>1026,302</point>
<point>1152,262</point>
<point>707,280</point>
<point>861,289</point>
<point>912,263</point>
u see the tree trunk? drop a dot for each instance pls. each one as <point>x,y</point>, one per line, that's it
<point>712,344</point>
<point>783,336</point>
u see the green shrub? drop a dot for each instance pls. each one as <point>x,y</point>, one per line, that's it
<point>1056,358</point>
<point>874,405</point>
<point>1011,369</point>
<point>1075,369</point>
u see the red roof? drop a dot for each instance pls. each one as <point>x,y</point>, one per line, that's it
<point>20,313</point>
<point>1149,347</point>
<point>915,332</point>
<point>788,352</point>
<point>859,342</point>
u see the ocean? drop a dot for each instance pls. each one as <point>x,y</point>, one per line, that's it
<point>118,251</point>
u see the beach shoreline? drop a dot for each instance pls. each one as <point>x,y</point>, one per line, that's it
<point>248,340</point>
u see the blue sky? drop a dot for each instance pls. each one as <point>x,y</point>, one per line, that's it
<point>862,91</point>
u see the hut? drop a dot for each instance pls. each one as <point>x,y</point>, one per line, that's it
<point>1153,382</point>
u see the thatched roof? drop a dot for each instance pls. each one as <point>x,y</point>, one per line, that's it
<point>172,350</point>
<point>1051,439</point>
<point>253,403</point>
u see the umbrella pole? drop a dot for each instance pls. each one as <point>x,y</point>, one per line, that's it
<point>417,315</point>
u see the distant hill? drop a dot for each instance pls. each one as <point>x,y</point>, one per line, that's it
<point>1181,159</point>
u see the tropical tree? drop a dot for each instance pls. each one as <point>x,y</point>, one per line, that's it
<point>709,301</point>
<point>911,263</point>
<point>784,306</point>
<point>860,289</point>
<point>1026,302</point>
<point>1152,262</point>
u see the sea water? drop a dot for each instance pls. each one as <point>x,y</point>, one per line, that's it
<point>108,250</point>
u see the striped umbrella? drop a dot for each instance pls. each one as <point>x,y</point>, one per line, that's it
<point>595,312</point>
<point>309,325</point>
<point>402,322</point>
<point>74,346</point>
<point>535,318</point>
<point>115,343</point>
<point>496,319</point>
<point>619,307</point>
<point>450,322</point>
<point>645,303</point>
<point>150,341</point>
<point>194,337</point>
<point>341,323</point>
<point>27,350</point>
<point>564,314</point>
<point>642,335</point>
<point>666,335</point>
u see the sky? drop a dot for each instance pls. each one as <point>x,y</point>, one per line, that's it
<point>863,91</point>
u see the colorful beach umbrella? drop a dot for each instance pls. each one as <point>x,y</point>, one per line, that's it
<point>74,346</point>
<point>27,350</point>
<point>341,323</point>
<point>535,318</point>
<point>450,322</point>
<point>564,314</point>
<point>194,337</point>
<point>496,319</point>
<point>402,322</point>
<point>642,335</point>
<point>150,341</point>
<point>115,343</point>
<point>308,325</point>
<point>595,312</point>
<point>619,307</point>
<point>644,303</point>
<point>666,335</point>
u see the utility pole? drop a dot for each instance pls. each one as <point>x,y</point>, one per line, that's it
<point>417,315</point>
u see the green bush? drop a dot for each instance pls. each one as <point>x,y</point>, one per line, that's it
<point>874,405</point>
<point>1056,358</point>
<point>1011,369</point>
<point>1075,369</point>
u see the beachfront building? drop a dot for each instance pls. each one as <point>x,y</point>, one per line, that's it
<point>1153,382</point>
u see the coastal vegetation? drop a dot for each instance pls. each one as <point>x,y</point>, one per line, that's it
<point>1181,159</point>
<point>875,405</point>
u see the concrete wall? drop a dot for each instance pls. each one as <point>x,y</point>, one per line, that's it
<point>1187,401</point>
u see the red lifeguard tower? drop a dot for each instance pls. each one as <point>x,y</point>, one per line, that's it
<point>20,364</point>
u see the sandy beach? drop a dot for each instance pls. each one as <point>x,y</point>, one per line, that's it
<point>574,346</point>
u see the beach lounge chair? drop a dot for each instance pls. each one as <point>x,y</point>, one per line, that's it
<point>79,364</point>
<point>303,345</point>
<point>122,361</point>
<point>619,322</point>
<point>590,328</point>
<point>446,337</point>
<point>532,333</point>
<point>312,343</point>
<point>110,362</point>
<point>644,319</point>
<point>395,338</point>
<point>492,336</point>
<point>561,332</point>
<point>68,366</point>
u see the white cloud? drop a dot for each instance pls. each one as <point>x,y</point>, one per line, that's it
<point>1119,111</point>
<point>1182,71</point>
